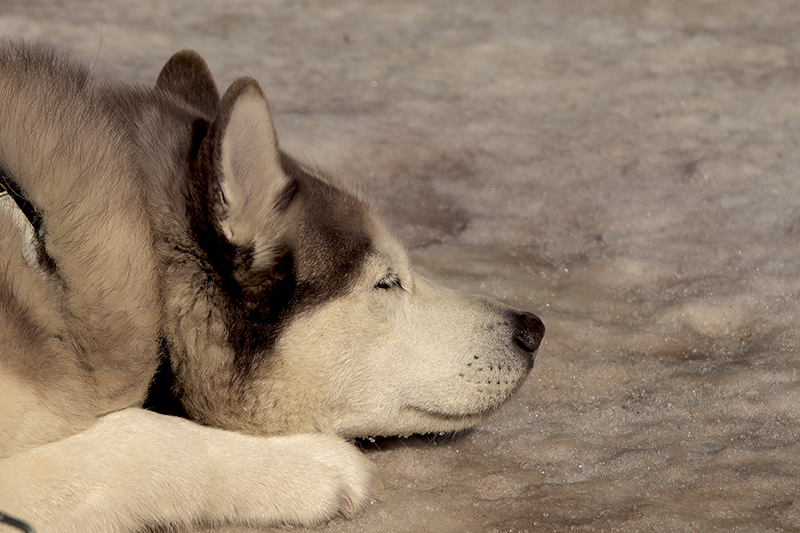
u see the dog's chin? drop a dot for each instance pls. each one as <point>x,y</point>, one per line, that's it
<point>464,414</point>
<point>414,421</point>
<point>426,420</point>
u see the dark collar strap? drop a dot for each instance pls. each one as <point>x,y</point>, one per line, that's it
<point>13,190</point>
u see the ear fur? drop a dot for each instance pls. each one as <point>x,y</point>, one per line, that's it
<point>248,164</point>
<point>187,77</point>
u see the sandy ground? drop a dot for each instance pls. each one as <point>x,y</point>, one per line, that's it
<point>628,170</point>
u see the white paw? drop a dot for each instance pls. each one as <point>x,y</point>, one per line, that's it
<point>312,478</point>
<point>350,478</point>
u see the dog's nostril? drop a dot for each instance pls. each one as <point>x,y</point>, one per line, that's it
<point>530,331</point>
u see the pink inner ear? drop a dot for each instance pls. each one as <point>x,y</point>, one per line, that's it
<point>254,148</point>
<point>252,177</point>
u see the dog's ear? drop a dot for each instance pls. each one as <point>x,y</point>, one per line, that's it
<point>248,164</point>
<point>187,77</point>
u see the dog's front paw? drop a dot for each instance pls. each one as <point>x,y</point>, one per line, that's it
<point>316,477</point>
<point>354,480</point>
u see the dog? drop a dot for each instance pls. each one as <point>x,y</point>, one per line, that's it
<point>157,246</point>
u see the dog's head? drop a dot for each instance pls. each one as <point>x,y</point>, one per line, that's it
<point>294,309</point>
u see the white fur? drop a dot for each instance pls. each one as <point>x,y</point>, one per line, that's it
<point>421,358</point>
<point>136,467</point>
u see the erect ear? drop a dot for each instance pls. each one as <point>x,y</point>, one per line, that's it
<point>187,77</point>
<point>248,165</point>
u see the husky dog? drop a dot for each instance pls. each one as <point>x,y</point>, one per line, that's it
<point>146,228</point>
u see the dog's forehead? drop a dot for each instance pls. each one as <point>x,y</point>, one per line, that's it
<point>335,235</point>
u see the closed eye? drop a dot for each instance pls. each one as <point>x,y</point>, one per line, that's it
<point>388,282</point>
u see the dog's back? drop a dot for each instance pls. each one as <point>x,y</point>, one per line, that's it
<point>80,320</point>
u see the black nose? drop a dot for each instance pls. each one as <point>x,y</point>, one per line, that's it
<point>530,331</point>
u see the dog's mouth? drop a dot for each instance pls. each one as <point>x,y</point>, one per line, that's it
<point>419,421</point>
<point>525,351</point>
<point>462,420</point>
<point>482,403</point>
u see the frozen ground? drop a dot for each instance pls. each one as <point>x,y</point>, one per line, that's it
<point>628,170</point>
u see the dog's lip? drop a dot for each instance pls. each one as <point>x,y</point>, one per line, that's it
<point>453,417</point>
<point>530,357</point>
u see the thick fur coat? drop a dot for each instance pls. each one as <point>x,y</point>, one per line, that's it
<point>159,249</point>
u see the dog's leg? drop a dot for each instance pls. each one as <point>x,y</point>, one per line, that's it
<point>136,468</point>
